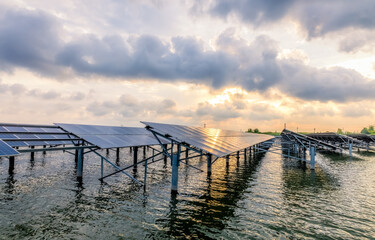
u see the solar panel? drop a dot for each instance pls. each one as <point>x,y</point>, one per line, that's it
<point>33,135</point>
<point>215,141</point>
<point>111,136</point>
<point>6,150</point>
<point>17,144</point>
<point>16,129</point>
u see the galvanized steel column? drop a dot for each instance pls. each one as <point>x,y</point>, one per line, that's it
<point>135,156</point>
<point>32,155</point>
<point>11,164</point>
<point>312,157</point>
<point>175,163</point>
<point>209,163</point>
<point>80,163</point>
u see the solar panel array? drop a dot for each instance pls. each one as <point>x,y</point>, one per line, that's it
<point>215,141</point>
<point>111,136</point>
<point>24,136</point>
<point>6,150</point>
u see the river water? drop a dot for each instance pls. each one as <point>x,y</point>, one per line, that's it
<point>269,197</point>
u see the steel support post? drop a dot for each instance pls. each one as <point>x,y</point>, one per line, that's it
<point>135,156</point>
<point>209,164</point>
<point>350,149</point>
<point>244,154</point>
<point>312,157</point>
<point>227,159</point>
<point>175,163</point>
<point>144,152</point>
<point>76,156</point>
<point>32,154</point>
<point>165,155</point>
<point>238,155</point>
<point>145,177</point>
<point>80,163</point>
<point>117,153</point>
<point>186,153</point>
<point>11,164</point>
<point>101,168</point>
<point>44,152</point>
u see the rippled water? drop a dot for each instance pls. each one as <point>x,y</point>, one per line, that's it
<point>270,197</point>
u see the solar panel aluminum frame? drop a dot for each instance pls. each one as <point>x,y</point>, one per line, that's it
<point>11,151</point>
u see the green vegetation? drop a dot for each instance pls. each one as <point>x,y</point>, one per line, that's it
<point>368,130</point>
<point>256,130</point>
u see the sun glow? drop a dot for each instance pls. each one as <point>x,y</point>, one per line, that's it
<point>226,96</point>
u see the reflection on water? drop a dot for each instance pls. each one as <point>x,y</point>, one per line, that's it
<point>267,197</point>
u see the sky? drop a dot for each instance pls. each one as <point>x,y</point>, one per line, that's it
<point>231,64</point>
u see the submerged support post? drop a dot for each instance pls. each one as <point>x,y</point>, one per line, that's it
<point>145,177</point>
<point>209,164</point>
<point>76,156</point>
<point>80,163</point>
<point>312,157</point>
<point>227,159</point>
<point>101,168</point>
<point>238,155</point>
<point>165,155</point>
<point>135,156</point>
<point>44,152</point>
<point>11,164</point>
<point>244,154</point>
<point>32,154</point>
<point>350,149</point>
<point>175,162</point>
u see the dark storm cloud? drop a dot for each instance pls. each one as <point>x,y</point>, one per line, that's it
<point>30,39</point>
<point>317,17</point>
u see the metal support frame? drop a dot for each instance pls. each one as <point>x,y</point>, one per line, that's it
<point>80,163</point>
<point>209,164</point>
<point>312,157</point>
<point>132,166</point>
<point>11,164</point>
<point>175,163</point>
<point>116,167</point>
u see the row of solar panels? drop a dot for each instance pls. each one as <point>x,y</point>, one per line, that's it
<point>18,136</point>
<point>215,141</point>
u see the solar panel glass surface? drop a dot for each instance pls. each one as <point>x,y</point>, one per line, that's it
<point>6,150</point>
<point>215,141</point>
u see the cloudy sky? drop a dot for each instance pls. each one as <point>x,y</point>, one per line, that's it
<point>232,64</point>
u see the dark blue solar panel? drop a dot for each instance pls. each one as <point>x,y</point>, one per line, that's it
<point>53,130</point>
<point>2,129</point>
<point>17,144</point>
<point>35,143</point>
<point>7,135</point>
<point>26,136</point>
<point>34,129</point>
<point>16,129</point>
<point>6,150</point>
<point>46,136</point>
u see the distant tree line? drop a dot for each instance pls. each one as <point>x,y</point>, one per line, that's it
<point>250,130</point>
<point>368,130</point>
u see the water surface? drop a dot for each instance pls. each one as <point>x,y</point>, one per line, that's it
<point>269,197</point>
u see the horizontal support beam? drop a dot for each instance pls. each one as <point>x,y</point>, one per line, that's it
<point>40,139</point>
<point>54,149</point>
